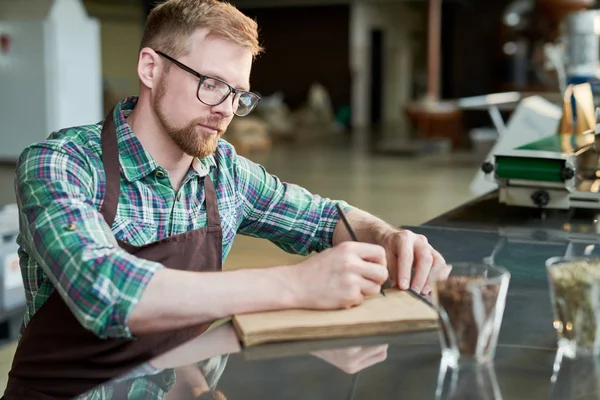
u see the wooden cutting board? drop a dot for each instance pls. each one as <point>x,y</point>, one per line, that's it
<point>397,312</point>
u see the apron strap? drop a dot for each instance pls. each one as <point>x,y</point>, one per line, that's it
<point>210,199</point>
<point>110,159</point>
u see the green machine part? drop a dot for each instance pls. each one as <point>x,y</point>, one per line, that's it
<point>551,143</point>
<point>529,168</point>
<point>534,168</point>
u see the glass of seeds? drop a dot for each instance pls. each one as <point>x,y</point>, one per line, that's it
<point>470,302</point>
<point>575,297</point>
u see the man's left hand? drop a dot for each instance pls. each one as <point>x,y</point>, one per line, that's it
<point>412,262</point>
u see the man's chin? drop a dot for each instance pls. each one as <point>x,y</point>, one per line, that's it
<point>205,151</point>
<point>197,148</point>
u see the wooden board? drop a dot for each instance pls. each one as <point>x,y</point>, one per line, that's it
<point>397,312</point>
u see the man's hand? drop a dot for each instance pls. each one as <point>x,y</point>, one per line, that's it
<point>353,359</point>
<point>410,258</point>
<point>407,251</point>
<point>339,277</point>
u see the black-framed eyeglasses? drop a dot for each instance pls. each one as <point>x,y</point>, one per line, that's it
<point>213,91</point>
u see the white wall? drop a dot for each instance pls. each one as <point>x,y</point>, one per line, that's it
<point>74,66</point>
<point>397,21</point>
<point>51,78</point>
<point>22,87</point>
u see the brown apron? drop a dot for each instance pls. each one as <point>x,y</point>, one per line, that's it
<point>57,358</point>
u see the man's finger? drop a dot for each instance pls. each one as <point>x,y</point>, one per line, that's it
<point>371,351</point>
<point>353,350</point>
<point>423,263</point>
<point>369,288</point>
<point>405,259</point>
<point>377,355</point>
<point>445,271</point>
<point>376,273</point>
<point>366,251</point>
<point>440,270</point>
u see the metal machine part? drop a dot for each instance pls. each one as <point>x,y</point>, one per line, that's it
<point>559,171</point>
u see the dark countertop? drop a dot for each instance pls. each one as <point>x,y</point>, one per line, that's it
<point>517,239</point>
<point>487,214</point>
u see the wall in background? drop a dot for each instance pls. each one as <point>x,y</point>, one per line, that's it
<point>471,49</point>
<point>303,45</point>
<point>328,44</point>
<point>470,52</point>
<point>50,74</point>
<point>121,28</point>
<point>73,59</point>
<point>403,26</point>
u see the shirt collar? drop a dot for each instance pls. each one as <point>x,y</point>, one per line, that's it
<point>136,162</point>
<point>204,165</point>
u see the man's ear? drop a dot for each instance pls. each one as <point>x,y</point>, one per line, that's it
<point>148,67</point>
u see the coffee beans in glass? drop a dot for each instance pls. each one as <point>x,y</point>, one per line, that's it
<point>470,302</point>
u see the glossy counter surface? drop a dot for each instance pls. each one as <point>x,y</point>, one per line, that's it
<point>408,365</point>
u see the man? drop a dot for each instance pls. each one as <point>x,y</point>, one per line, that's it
<point>119,218</point>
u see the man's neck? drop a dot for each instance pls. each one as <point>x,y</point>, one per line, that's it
<point>156,141</point>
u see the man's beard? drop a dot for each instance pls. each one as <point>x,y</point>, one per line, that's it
<point>187,138</point>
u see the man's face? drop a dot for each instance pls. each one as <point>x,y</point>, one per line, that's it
<point>193,126</point>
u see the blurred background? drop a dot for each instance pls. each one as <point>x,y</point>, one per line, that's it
<point>391,105</point>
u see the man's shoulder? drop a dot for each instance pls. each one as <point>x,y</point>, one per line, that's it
<point>87,136</point>
<point>77,141</point>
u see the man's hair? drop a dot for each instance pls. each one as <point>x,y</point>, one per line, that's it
<point>171,24</point>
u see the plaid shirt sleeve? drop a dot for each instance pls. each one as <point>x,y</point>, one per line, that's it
<point>288,215</point>
<point>63,231</point>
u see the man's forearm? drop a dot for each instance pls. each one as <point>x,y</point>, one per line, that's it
<point>217,342</point>
<point>367,227</point>
<point>177,299</point>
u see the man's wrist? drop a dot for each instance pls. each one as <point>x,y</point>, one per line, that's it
<point>381,231</point>
<point>367,227</point>
<point>290,294</point>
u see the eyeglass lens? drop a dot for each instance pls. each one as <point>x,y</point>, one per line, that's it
<point>212,92</point>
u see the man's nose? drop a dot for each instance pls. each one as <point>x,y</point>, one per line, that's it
<point>225,108</point>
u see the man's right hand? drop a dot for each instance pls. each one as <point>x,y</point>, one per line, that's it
<point>353,359</point>
<point>339,277</point>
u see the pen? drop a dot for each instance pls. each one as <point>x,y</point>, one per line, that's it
<point>420,297</point>
<point>351,231</point>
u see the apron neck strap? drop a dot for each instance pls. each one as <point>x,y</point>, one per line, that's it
<point>110,159</point>
<point>210,196</point>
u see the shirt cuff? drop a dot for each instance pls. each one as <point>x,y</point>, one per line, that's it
<point>330,220</point>
<point>144,271</point>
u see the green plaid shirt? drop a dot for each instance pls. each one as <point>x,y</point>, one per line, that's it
<point>65,244</point>
<point>143,388</point>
